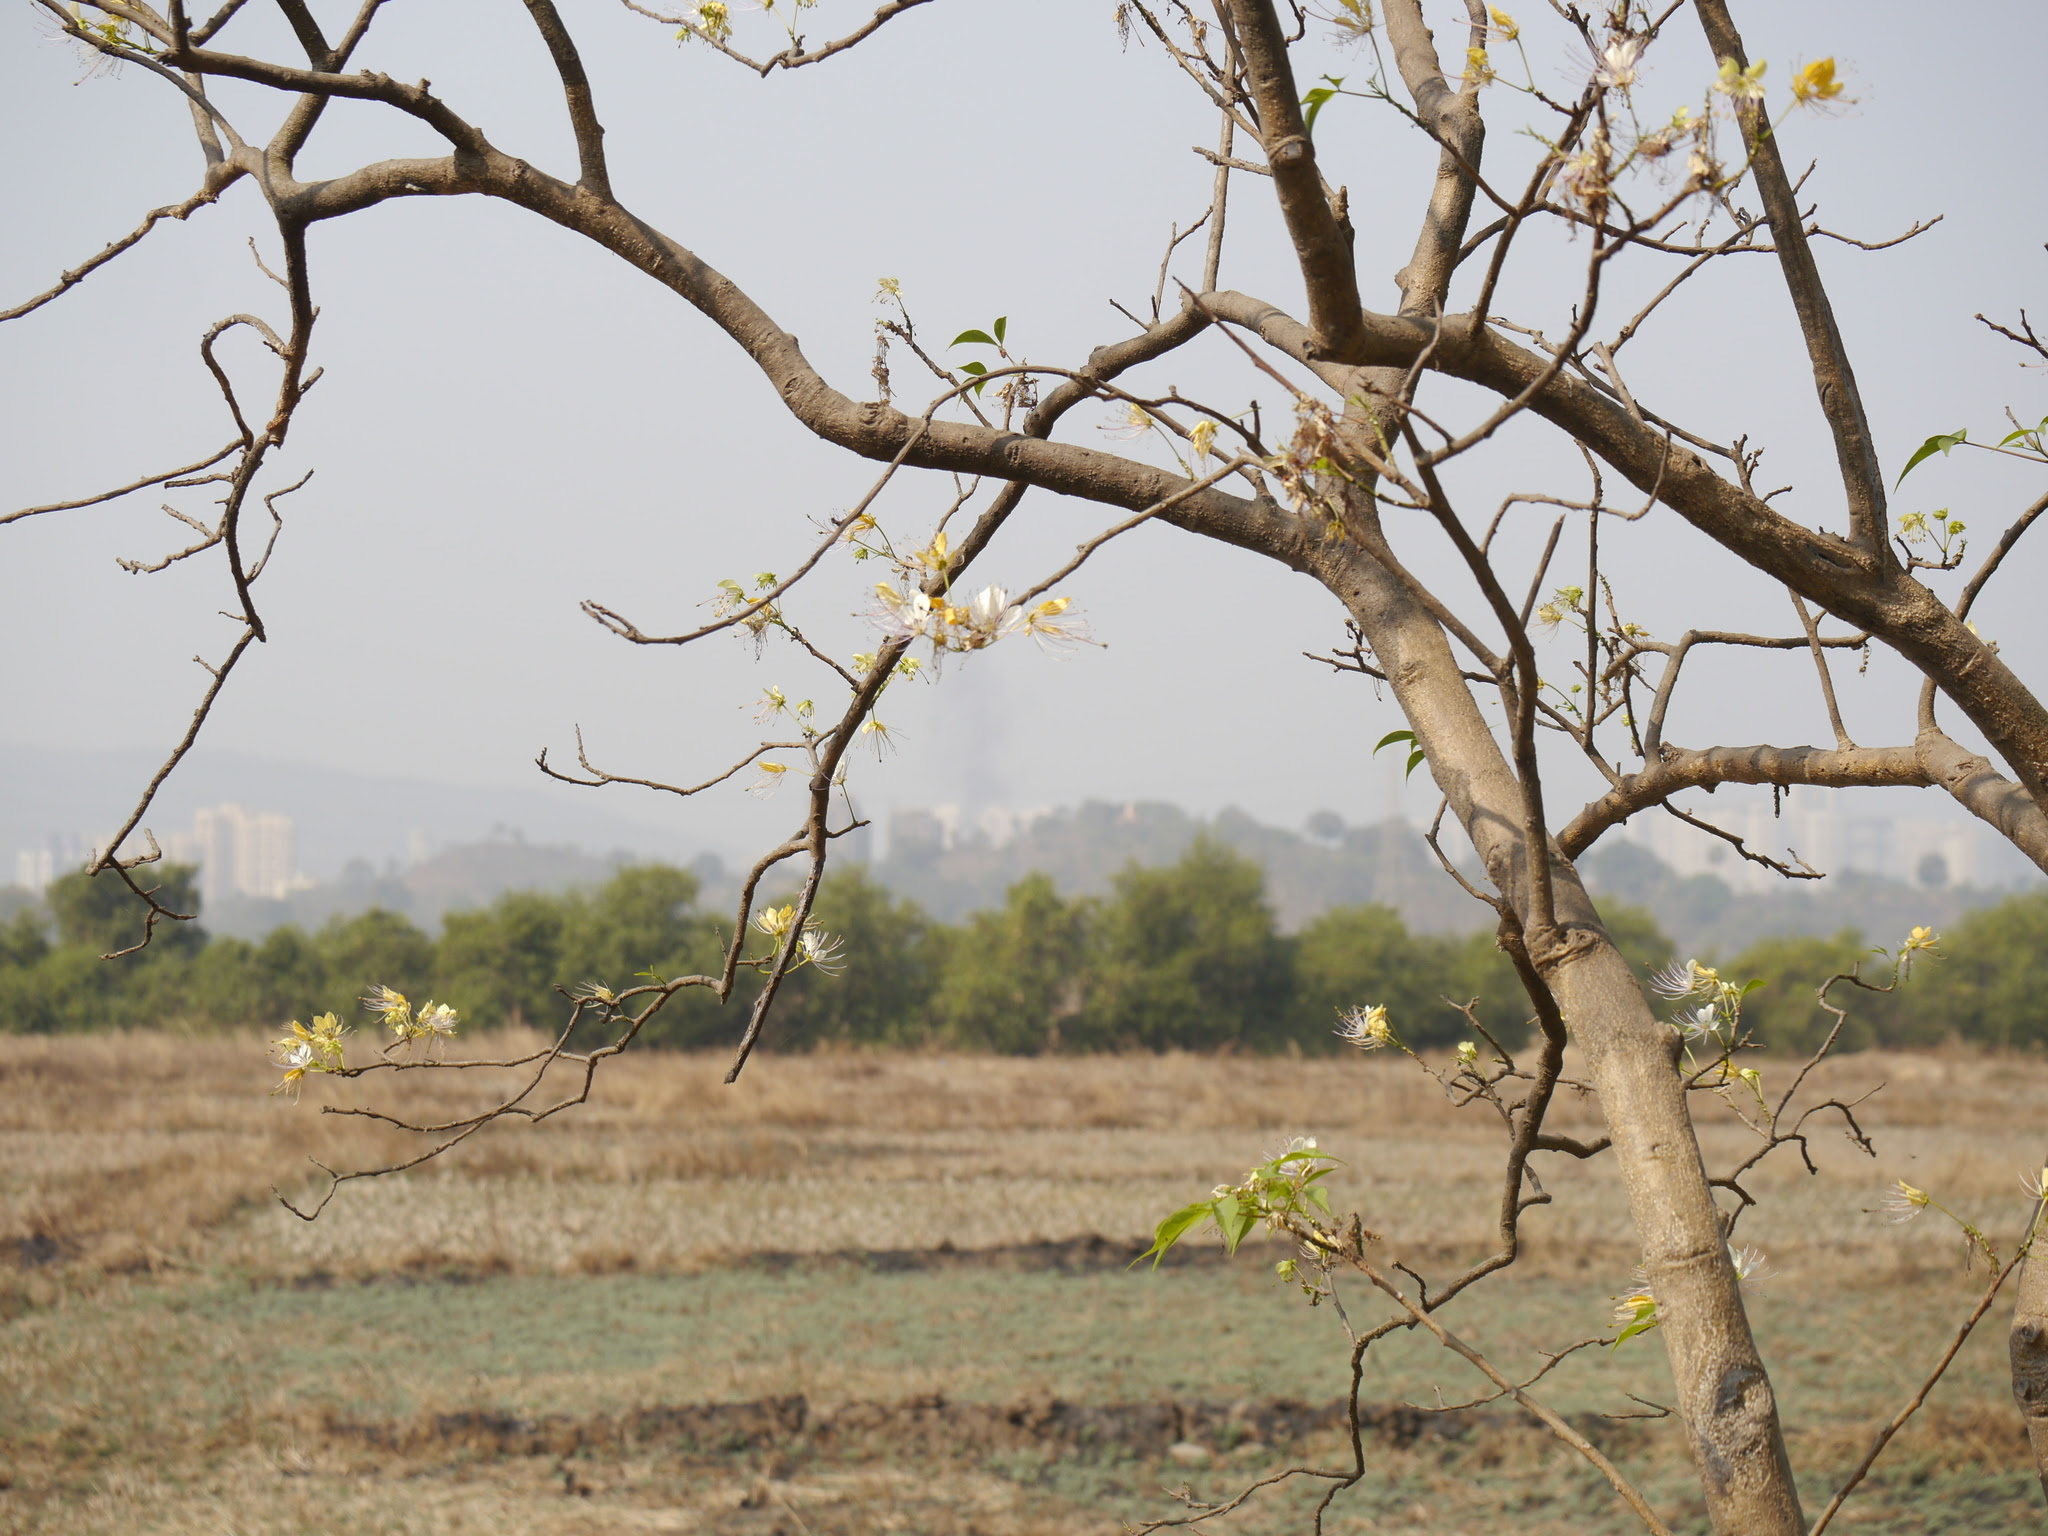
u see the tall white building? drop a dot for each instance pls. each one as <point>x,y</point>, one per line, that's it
<point>244,853</point>
<point>34,869</point>
<point>1813,825</point>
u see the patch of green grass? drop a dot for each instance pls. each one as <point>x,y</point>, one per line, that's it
<point>176,1376</point>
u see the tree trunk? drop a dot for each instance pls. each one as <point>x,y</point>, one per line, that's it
<point>1631,1057</point>
<point>2028,1343</point>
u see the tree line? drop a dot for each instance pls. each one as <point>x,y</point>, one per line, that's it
<point>1182,956</point>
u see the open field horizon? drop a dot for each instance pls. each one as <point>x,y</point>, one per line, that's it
<point>869,1291</point>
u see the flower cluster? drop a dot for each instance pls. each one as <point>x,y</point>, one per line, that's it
<point>814,946</point>
<point>1718,1009</point>
<point>1937,529</point>
<point>988,616</point>
<point>308,1050</point>
<point>1312,459</point>
<point>711,18</point>
<point>733,598</point>
<point>433,1022</point>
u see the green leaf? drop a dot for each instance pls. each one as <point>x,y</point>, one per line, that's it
<point>977,369</point>
<point>1321,1196</point>
<point>1940,443</point>
<point>1415,760</point>
<point>1645,1320</point>
<point>1390,738</point>
<point>1172,1230</point>
<point>2024,434</point>
<point>1002,327</point>
<point>981,337</point>
<point>1752,984</point>
<point>1234,1219</point>
<point>1315,100</point>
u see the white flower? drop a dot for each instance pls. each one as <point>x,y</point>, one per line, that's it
<point>819,948</point>
<point>438,1020</point>
<point>990,616</point>
<point>1468,1053</point>
<point>1366,1028</point>
<point>1583,176</point>
<point>770,780</point>
<point>1678,979</point>
<point>1292,1145</point>
<point>1616,68</point>
<point>1750,1269</point>
<point>903,616</point>
<point>775,921</point>
<point>1699,1023</point>
<point>2035,1182</point>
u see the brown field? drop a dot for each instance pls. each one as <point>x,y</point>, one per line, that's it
<point>885,1292</point>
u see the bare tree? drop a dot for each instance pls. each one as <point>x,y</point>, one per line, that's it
<point>1341,490</point>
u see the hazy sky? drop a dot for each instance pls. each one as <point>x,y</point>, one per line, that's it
<point>511,421</point>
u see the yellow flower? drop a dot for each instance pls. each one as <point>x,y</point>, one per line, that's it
<point>387,1003</point>
<point>1366,1028</point>
<point>770,780</point>
<point>715,17</point>
<point>775,921</point>
<point>1200,436</point>
<point>1816,82</point>
<point>1478,68</point>
<point>1354,19</point>
<point>1504,24</point>
<point>1636,1306</point>
<point>1133,421</point>
<point>1902,1202</point>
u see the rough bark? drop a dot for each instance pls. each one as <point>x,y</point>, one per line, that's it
<point>1724,1392</point>
<point>2028,1343</point>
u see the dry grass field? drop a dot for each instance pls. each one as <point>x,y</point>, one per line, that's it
<point>863,1292</point>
